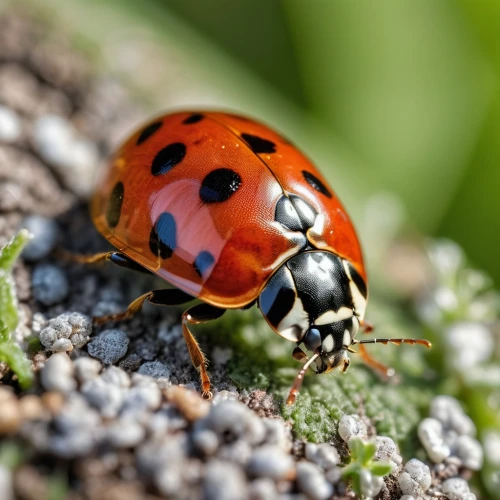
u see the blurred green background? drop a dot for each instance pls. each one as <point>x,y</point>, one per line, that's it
<point>393,96</point>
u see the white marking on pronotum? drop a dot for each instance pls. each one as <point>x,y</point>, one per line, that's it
<point>328,344</point>
<point>331,316</point>
<point>295,323</point>
<point>346,340</point>
<point>359,301</point>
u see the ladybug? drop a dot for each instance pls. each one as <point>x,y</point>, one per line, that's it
<point>230,212</point>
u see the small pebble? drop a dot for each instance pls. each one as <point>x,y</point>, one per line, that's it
<point>155,369</point>
<point>109,346</point>
<point>312,482</point>
<point>430,432</point>
<point>277,433</point>
<point>62,345</point>
<point>205,441</point>
<point>10,414</point>
<point>6,483</point>
<point>131,363</point>
<point>49,284</point>
<point>387,450</point>
<point>270,461</point>
<point>117,377</point>
<point>352,426</point>
<point>407,497</point>
<point>45,235</point>
<point>324,455</point>
<point>371,485</point>
<point>224,481</point>
<point>232,420</point>
<point>238,452</point>
<point>469,451</point>
<point>86,369</point>
<point>57,374</point>
<point>263,489</point>
<point>189,403</point>
<point>107,398</point>
<point>142,398</point>
<point>125,433</point>
<point>415,478</point>
<point>10,125</point>
<point>457,489</point>
<point>449,412</point>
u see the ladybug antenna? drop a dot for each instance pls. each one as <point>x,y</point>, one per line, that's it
<point>297,383</point>
<point>394,341</point>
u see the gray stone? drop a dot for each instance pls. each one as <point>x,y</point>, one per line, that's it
<point>457,488</point>
<point>45,236</point>
<point>155,369</point>
<point>415,478</point>
<point>57,374</point>
<point>324,455</point>
<point>352,426</point>
<point>86,369</point>
<point>469,451</point>
<point>117,377</point>
<point>263,489</point>
<point>270,461</point>
<point>371,485</point>
<point>312,482</point>
<point>109,346</point>
<point>205,441</point>
<point>10,125</point>
<point>125,433</point>
<point>49,284</point>
<point>430,432</point>
<point>232,420</point>
<point>224,481</point>
<point>449,412</point>
<point>107,398</point>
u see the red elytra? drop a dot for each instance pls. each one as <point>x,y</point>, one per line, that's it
<point>240,233</point>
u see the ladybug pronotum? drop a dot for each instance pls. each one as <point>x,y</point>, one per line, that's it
<point>229,212</point>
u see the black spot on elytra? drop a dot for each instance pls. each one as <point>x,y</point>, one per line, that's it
<point>259,145</point>
<point>315,183</point>
<point>148,132</point>
<point>168,158</point>
<point>219,185</point>
<point>203,262</point>
<point>358,280</point>
<point>194,118</point>
<point>163,237</point>
<point>114,208</point>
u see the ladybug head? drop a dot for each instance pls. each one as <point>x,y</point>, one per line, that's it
<point>316,299</point>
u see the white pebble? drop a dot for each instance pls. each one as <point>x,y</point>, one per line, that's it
<point>86,369</point>
<point>352,426</point>
<point>6,483</point>
<point>415,478</point>
<point>57,374</point>
<point>10,125</point>
<point>324,455</point>
<point>430,432</point>
<point>116,376</point>
<point>312,482</point>
<point>270,461</point>
<point>457,489</point>
<point>125,433</point>
<point>469,451</point>
<point>407,497</point>
<point>370,485</point>
<point>449,412</point>
<point>387,450</point>
<point>62,345</point>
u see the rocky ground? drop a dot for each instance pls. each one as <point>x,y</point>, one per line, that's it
<point>114,411</point>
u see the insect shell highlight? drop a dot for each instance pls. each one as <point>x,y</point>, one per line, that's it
<point>228,211</point>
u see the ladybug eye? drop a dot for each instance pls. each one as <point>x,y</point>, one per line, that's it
<point>312,339</point>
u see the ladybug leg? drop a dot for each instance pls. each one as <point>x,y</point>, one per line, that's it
<point>367,326</point>
<point>199,314</point>
<point>384,371</point>
<point>117,258</point>
<point>168,297</point>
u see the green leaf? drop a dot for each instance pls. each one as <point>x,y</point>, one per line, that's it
<point>8,303</point>
<point>11,251</point>
<point>380,468</point>
<point>356,448</point>
<point>13,355</point>
<point>369,450</point>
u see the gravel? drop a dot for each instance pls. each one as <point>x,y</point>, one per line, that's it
<point>155,369</point>
<point>57,374</point>
<point>45,233</point>
<point>415,478</point>
<point>457,489</point>
<point>109,346</point>
<point>49,284</point>
<point>352,426</point>
<point>67,331</point>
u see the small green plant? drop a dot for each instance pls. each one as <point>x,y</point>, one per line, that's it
<point>365,473</point>
<point>10,352</point>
